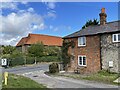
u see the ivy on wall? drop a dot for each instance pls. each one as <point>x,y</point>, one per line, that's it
<point>65,55</point>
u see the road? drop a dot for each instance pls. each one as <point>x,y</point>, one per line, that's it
<point>25,69</point>
<point>36,73</point>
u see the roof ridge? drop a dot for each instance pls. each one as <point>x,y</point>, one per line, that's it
<point>102,25</point>
<point>90,29</point>
<point>46,39</point>
<point>44,35</point>
<point>113,21</point>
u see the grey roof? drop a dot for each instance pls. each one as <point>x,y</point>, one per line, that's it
<point>97,29</point>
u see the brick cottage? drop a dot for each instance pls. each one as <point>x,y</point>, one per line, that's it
<point>96,47</point>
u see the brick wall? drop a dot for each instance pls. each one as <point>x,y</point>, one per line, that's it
<point>92,52</point>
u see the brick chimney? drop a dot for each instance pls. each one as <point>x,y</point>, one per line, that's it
<point>103,16</point>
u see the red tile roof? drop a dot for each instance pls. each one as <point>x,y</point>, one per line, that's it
<point>45,39</point>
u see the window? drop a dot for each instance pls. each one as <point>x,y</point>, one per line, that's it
<point>82,60</point>
<point>116,37</point>
<point>82,41</point>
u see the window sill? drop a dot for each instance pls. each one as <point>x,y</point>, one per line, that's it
<point>83,66</point>
<point>116,41</point>
<point>81,46</point>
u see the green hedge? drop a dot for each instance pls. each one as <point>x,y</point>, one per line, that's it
<point>31,60</point>
<point>48,59</point>
<point>16,61</point>
<point>21,61</point>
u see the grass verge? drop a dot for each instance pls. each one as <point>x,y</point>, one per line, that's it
<point>15,81</point>
<point>101,76</point>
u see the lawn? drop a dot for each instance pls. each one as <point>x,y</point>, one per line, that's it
<point>15,81</point>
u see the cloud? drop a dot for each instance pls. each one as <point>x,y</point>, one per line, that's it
<point>51,15</point>
<point>30,9</point>
<point>16,25</point>
<point>8,5</point>
<point>51,5</point>
<point>59,28</point>
<point>24,2</point>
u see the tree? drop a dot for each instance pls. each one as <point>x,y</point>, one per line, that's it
<point>51,50</point>
<point>16,53</point>
<point>36,50</point>
<point>1,49</point>
<point>90,22</point>
<point>8,49</point>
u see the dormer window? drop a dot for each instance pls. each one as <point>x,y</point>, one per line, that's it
<point>116,37</point>
<point>82,41</point>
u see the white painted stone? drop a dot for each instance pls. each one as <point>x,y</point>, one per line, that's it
<point>117,80</point>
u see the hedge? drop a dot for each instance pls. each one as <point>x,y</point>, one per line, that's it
<point>31,60</point>
<point>48,59</point>
<point>16,61</point>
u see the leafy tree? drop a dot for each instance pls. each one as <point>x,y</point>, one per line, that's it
<point>1,49</point>
<point>51,51</point>
<point>16,53</point>
<point>36,50</point>
<point>8,49</point>
<point>90,22</point>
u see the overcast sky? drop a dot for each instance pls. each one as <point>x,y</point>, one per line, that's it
<point>18,19</point>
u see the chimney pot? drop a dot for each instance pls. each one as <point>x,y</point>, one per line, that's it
<point>103,10</point>
<point>103,16</point>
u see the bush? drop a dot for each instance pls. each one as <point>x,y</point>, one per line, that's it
<point>54,68</point>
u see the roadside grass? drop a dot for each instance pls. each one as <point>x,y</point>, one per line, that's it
<point>16,81</point>
<point>102,76</point>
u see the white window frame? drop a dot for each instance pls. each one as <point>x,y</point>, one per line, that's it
<point>116,37</point>
<point>79,41</point>
<point>82,60</point>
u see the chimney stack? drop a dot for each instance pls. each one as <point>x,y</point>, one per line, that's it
<point>103,16</point>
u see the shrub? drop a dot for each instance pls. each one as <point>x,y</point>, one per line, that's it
<point>54,68</point>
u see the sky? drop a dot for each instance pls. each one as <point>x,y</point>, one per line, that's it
<point>18,19</point>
